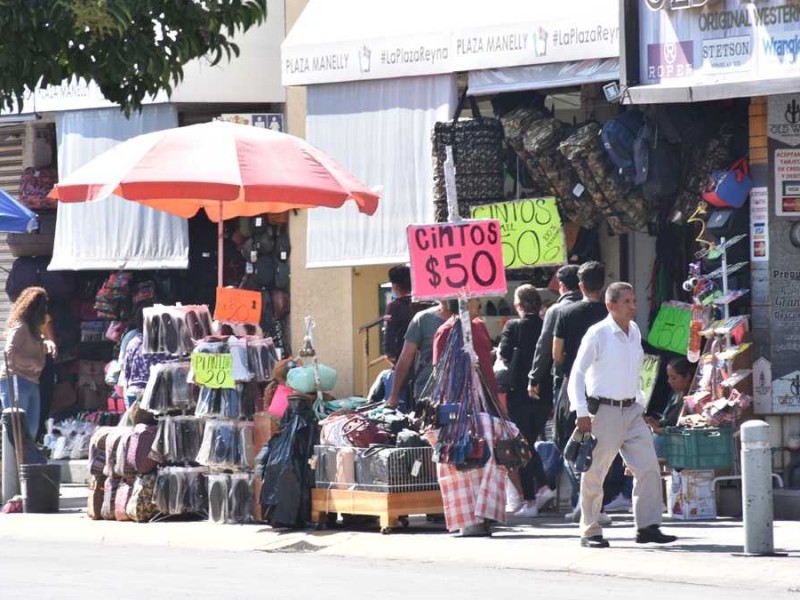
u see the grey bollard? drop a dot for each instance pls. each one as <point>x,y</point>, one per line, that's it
<point>757,505</point>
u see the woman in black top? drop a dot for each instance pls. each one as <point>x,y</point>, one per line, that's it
<point>679,378</point>
<point>517,347</point>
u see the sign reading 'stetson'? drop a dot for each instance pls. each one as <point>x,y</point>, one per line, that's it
<point>531,232</point>
<point>449,259</point>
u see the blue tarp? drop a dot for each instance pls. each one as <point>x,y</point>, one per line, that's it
<point>15,217</point>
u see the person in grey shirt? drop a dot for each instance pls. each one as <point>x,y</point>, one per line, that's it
<point>418,352</point>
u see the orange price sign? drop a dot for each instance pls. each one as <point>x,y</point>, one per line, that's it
<point>240,306</point>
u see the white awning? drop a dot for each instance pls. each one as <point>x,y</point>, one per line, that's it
<point>709,90</point>
<point>351,40</point>
<point>113,233</point>
<point>381,132</point>
<point>542,77</point>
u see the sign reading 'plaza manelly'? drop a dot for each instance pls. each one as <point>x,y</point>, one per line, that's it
<point>323,48</point>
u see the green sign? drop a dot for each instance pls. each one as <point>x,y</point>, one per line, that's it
<point>670,331</point>
<point>648,376</point>
<point>532,234</point>
<point>213,370</point>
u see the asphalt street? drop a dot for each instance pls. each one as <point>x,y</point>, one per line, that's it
<point>40,571</point>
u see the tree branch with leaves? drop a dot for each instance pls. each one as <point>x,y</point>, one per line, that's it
<point>132,49</point>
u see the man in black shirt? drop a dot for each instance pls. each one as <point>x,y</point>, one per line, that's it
<point>572,323</point>
<point>575,319</point>
<point>398,312</point>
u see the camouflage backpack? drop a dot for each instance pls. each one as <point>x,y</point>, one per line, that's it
<point>140,507</point>
<point>624,206</point>
<point>534,135</point>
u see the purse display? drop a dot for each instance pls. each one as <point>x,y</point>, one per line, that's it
<point>362,433</point>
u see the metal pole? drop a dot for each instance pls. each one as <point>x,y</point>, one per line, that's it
<point>726,308</point>
<point>220,231</point>
<point>757,488</point>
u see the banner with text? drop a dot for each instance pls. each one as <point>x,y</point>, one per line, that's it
<point>448,259</point>
<point>532,233</point>
<point>648,376</point>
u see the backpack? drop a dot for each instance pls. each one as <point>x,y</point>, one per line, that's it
<point>30,271</point>
<point>282,275</point>
<point>618,136</point>
<point>663,166</point>
<point>97,451</point>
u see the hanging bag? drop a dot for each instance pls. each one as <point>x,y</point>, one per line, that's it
<point>478,156</point>
<point>729,188</point>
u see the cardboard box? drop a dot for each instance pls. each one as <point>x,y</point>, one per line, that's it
<point>691,495</point>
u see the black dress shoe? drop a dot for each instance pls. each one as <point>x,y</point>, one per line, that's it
<point>653,535</point>
<point>595,541</point>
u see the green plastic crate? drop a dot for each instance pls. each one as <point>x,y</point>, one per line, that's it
<point>708,448</point>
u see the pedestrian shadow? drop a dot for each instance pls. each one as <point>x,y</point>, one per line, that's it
<point>709,549</point>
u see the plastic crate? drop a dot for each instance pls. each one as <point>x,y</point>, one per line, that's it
<point>708,448</point>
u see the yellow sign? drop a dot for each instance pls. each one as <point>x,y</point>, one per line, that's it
<point>213,370</point>
<point>648,376</point>
<point>532,234</point>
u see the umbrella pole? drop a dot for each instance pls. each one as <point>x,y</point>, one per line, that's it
<point>220,229</point>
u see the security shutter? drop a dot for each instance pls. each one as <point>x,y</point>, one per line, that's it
<point>11,143</point>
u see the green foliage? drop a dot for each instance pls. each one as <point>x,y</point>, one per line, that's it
<point>130,48</point>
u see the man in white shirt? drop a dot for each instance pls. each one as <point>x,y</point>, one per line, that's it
<point>605,377</point>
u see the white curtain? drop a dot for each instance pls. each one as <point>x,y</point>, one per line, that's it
<point>380,131</point>
<point>113,233</point>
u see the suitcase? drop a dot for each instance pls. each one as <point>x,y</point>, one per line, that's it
<point>94,501</point>
<point>141,443</point>
<point>124,493</point>
<point>140,507</point>
<point>97,450</point>
<point>107,509</point>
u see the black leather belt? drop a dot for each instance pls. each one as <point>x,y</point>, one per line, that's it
<point>624,403</point>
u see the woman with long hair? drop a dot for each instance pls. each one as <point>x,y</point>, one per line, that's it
<point>25,353</point>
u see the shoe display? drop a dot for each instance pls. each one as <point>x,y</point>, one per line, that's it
<point>653,535</point>
<point>528,511</point>
<point>594,541</point>
<point>544,497</point>
<point>619,504</point>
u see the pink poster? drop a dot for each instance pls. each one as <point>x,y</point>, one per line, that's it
<point>448,259</point>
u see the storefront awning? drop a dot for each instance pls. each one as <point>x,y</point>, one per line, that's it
<point>113,233</point>
<point>542,77</point>
<point>709,90</point>
<point>351,40</point>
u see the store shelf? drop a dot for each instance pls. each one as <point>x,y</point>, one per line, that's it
<point>736,378</point>
<point>731,296</point>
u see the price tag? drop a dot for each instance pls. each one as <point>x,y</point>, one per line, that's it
<point>448,259</point>
<point>531,232</point>
<point>249,268</point>
<point>240,306</point>
<point>213,370</point>
<point>670,330</point>
<point>649,375</point>
<point>416,468</point>
<point>259,221</point>
<point>578,190</point>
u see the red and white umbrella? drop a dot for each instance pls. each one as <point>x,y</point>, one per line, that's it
<point>230,170</point>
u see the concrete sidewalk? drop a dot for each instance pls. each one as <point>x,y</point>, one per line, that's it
<point>705,554</point>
